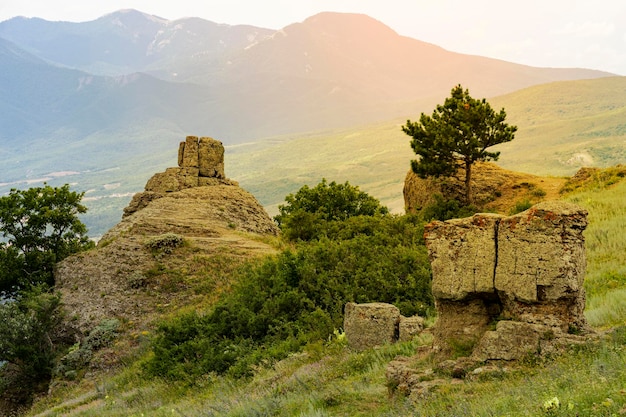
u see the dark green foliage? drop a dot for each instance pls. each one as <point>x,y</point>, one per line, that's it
<point>306,213</point>
<point>29,339</point>
<point>40,227</point>
<point>443,209</point>
<point>456,135</point>
<point>298,297</point>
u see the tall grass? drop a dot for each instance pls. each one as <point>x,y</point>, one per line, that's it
<point>606,248</point>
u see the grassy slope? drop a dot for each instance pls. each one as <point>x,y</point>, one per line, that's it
<point>375,158</point>
<point>329,380</point>
<point>562,127</point>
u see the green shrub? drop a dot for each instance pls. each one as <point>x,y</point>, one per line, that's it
<point>80,354</point>
<point>165,243</point>
<point>520,206</point>
<point>298,297</point>
<point>537,192</point>
<point>30,339</point>
<point>306,212</point>
<point>443,209</point>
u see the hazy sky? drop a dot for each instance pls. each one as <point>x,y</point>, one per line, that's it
<point>548,33</point>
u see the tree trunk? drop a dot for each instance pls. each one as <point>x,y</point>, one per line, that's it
<point>468,182</point>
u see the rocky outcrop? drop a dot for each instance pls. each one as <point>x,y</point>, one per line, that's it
<point>504,288</point>
<point>522,274</point>
<point>122,278</point>
<point>200,163</point>
<point>493,188</point>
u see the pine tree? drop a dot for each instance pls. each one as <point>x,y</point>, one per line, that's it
<point>458,133</point>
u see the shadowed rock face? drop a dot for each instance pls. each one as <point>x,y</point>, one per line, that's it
<point>524,272</point>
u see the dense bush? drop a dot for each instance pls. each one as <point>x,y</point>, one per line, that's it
<point>39,227</point>
<point>298,297</point>
<point>306,212</point>
<point>30,339</point>
<point>446,209</point>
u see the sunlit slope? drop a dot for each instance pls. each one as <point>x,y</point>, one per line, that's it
<point>566,125</point>
<point>376,158</point>
<point>561,127</point>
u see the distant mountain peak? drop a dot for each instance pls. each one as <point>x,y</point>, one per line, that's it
<point>344,22</point>
<point>133,16</point>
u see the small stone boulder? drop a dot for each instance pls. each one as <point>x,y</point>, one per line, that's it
<point>370,325</point>
<point>409,327</point>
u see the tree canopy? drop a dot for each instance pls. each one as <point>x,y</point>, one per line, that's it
<point>457,135</point>
<point>304,211</point>
<point>40,227</point>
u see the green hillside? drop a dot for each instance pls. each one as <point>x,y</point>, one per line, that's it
<point>327,379</point>
<point>566,125</point>
<point>562,127</point>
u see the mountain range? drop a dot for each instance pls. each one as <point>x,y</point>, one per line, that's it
<point>96,98</point>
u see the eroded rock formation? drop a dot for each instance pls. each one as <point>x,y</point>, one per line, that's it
<point>493,188</point>
<point>522,274</point>
<point>504,288</point>
<point>120,278</point>
<point>200,163</point>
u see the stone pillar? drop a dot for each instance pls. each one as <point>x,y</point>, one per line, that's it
<point>211,158</point>
<point>188,153</point>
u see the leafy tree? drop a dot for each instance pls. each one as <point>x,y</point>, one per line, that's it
<point>26,333</point>
<point>31,337</point>
<point>40,227</point>
<point>458,133</point>
<point>305,212</point>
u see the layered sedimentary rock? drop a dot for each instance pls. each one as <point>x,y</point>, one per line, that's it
<point>521,274</point>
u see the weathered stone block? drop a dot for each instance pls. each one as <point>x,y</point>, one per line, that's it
<point>511,340</point>
<point>370,325</point>
<point>541,253</point>
<point>189,150</point>
<point>164,182</point>
<point>211,158</point>
<point>528,268</point>
<point>462,255</point>
<point>409,327</point>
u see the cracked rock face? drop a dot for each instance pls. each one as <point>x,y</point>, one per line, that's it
<point>528,268</point>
